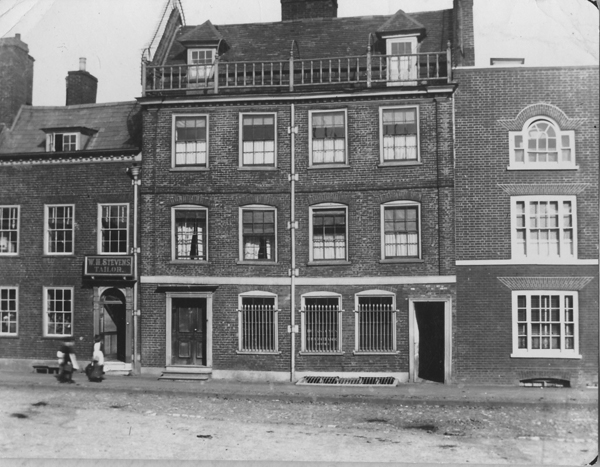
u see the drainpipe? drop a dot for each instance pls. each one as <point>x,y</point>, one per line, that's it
<point>134,171</point>
<point>293,225</point>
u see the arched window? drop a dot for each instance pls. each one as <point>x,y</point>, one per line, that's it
<point>542,145</point>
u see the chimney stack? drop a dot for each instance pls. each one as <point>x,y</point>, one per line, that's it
<point>16,77</point>
<point>81,86</point>
<point>308,9</point>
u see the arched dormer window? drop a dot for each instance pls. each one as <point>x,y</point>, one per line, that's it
<point>542,145</point>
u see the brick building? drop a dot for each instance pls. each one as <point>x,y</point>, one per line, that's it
<point>297,198</point>
<point>526,181</point>
<point>66,226</point>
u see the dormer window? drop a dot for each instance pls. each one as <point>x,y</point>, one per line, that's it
<point>62,142</point>
<point>200,63</point>
<point>402,60</point>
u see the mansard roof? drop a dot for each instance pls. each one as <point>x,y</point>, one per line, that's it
<point>315,38</point>
<point>111,126</point>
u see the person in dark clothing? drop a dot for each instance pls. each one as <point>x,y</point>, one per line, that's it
<point>95,370</point>
<point>67,361</point>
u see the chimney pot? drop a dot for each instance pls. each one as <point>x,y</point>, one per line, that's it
<point>18,36</point>
<point>82,64</point>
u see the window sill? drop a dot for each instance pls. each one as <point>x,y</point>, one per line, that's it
<point>257,168</point>
<point>188,169</point>
<point>9,255</point>
<point>562,355</point>
<point>543,167</point>
<point>328,166</point>
<point>399,164</point>
<point>544,260</point>
<point>188,261</point>
<point>54,338</point>
<point>329,263</point>
<point>9,336</point>
<point>50,255</point>
<point>391,352</point>
<point>401,261</point>
<point>246,352</point>
<point>256,262</point>
<point>304,352</point>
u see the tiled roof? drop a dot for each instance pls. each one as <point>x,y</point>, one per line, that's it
<point>116,126</point>
<point>206,32</point>
<point>318,38</point>
<point>400,22</point>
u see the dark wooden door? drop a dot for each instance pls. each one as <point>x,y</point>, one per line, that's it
<point>188,331</point>
<point>430,321</point>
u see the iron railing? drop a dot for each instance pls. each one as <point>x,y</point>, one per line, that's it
<point>297,74</point>
<point>258,328</point>
<point>321,328</point>
<point>376,327</point>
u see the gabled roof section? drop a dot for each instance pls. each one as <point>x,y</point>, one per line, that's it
<point>116,126</point>
<point>317,38</point>
<point>401,23</point>
<point>206,33</point>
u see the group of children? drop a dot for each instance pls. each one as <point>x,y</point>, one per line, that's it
<point>67,362</point>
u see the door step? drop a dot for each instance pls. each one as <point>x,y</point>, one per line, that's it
<point>117,368</point>
<point>174,373</point>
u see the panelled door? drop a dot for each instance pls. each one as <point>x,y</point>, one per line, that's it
<point>188,328</point>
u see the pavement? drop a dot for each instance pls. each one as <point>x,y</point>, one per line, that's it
<point>403,394</point>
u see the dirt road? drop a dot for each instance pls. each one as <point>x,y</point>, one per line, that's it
<point>37,422</point>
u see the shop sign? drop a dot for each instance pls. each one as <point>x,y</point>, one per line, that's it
<point>108,266</point>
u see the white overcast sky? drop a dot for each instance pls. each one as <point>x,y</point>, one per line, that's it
<point>112,34</point>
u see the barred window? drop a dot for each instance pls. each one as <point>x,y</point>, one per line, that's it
<point>190,234</point>
<point>258,140</point>
<point>258,234</point>
<point>400,138</point>
<point>9,230</point>
<point>321,325</point>
<point>328,137</point>
<point>59,311</point>
<point>114,228</point>
<point>401,231</point>
<point>60,229</point>
<point>258,324</point>
<point>8,311</point>
<point>328,234</point>
<point>375,324</point>
<point>545,324</point>
<point>191,141</point>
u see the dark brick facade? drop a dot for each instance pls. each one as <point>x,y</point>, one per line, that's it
<point>16,76</point>
<point>81,88</point>
<point>304,9</point>
<point>488,103</point>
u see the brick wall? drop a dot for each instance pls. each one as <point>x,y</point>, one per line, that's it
<point>31,187</point>
<point>304,9</point>
<point>16,78</point>
<point>81,88</point>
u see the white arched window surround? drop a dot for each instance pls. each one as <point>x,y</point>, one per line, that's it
<point>321,323</point>
<point>542,145</point>
<point>258,322</point>
<point>406,244</point>
<point>375,322</point>
<point>179,248</point>
<point>324,248</point>
<point>258,246</point>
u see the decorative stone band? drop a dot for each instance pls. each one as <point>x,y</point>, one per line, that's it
<point>559,189</point>
<point>540,109</point>
<point>545,283</point>
<point>57,158</point>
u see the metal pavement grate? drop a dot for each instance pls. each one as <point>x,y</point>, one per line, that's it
<point>356,381</point>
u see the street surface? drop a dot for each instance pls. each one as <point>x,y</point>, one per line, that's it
<point>68,421</point>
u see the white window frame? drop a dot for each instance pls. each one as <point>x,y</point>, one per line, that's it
<point>527,199</point>
<point>311,163</point>
<point>394,78</point>
<point>47,229</point>
<point>393,311</point>
<point>382,159</point>
<point>100,229</point>
<point>6,241</point>
<point>256,207</point>
<point>325,207</point>
<point>545,353</point>
<point>46,311</point>
<point>401,204</point>
<point>258,294</point>
<point>8,310</point>
<point>340,311</point>
<point>241,139</point>
<point>188,207</point>
<point>526,165</point>
<point>202,72</point>
<point>174,164</point>
<point>51,141</point>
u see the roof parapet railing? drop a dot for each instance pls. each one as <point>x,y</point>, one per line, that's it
<point>216,67</point>
<point>294,43</point>
<point>369,59</point>
<point>449,62</point>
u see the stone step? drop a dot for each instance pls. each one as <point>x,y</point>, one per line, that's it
<point>172,376</point>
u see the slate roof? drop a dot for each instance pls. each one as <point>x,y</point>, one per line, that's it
<point>117,126</point>
<point>316,38</point>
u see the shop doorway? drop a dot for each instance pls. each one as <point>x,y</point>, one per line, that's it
<point>113,325</point>
<point>430,337</point>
